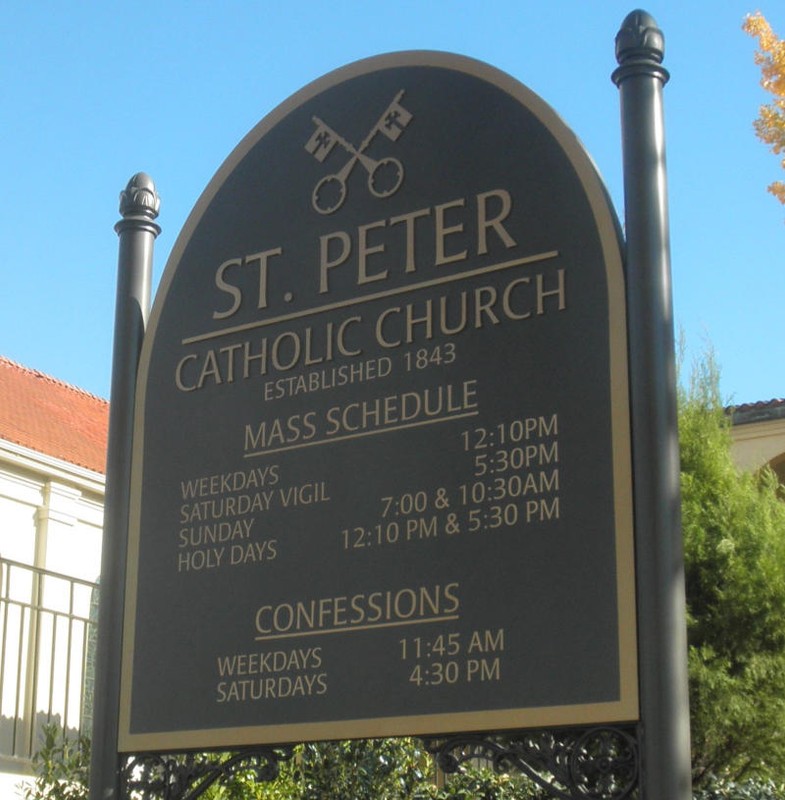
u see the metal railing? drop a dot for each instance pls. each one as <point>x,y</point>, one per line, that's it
<point>47,646</point>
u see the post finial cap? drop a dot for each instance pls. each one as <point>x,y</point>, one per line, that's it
<point>139,198</point>
<point>639,38</point>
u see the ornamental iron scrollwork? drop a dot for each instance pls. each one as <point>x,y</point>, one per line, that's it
<point>188,776</point>
<point>598,763</point>
<point>587,764</point>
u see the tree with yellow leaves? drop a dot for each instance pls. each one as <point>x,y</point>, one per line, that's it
<point>770,124</point>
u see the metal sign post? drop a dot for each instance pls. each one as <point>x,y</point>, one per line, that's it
<point>137,230</point>
<point>660,570</point>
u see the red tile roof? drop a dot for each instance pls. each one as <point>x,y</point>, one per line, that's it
<point>761,405</point>
<point>52,417</point>
<point>762,411</point>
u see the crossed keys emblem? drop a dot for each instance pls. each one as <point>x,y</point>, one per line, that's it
<point>384,176</point>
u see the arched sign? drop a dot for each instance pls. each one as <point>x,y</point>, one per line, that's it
<point>381,468</point>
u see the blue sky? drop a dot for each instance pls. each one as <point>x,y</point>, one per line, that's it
<point>91,93</point>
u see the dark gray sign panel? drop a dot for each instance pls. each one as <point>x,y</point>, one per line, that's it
<point>381,478</point>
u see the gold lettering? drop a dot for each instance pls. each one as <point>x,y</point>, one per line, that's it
<point>178,375</point>
<point>327,263</point>
<point>228,288</point>
<point>380,324</point>
<point>483,223</point>
<point>210,369</point>
<point>409,219</point>
<point>229,351</point>
<point>263,258</point>
<point>506,305</point>
<point>364,251</point>
<point>341,337</point>
<point>234,291</point>
<point>557,292</point>
<point>443,232</point>
<point>426,320</point>
<point>485,306</point>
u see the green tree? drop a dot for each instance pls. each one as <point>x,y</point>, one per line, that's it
<point>734,539</point>
<point>362,770</point>
<point>62,767</point>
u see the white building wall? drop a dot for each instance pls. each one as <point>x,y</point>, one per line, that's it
<point>51,513</point>
<point>20,498</point>
<point>51,517</point>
